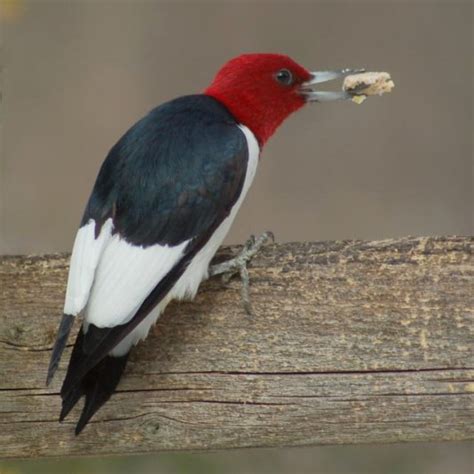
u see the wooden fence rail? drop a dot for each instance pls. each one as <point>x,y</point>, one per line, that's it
<point>350,342</point>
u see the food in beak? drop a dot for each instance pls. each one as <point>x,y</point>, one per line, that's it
<point>359,86</point>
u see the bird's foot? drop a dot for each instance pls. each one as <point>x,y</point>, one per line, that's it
<point>238,264</point>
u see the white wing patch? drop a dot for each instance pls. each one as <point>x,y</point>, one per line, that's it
<point>126,274</point>
<point>84,259</point>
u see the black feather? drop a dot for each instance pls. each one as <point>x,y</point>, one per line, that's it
<point>71,393</point>
<point>70,400</point>
<point>171,174</point>
<point>61,339</point>
<point>97,385</point>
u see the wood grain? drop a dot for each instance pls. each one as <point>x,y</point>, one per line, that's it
<point>350,342</point>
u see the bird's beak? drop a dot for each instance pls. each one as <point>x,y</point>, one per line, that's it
<point>312,95</point>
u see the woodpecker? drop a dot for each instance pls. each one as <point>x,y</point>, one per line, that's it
<point>164,199</point>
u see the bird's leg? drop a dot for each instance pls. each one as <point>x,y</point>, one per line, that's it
<point>238,264</point>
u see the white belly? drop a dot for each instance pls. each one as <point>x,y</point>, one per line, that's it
<point>197,271</point>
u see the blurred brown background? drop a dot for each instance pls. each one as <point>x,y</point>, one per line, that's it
<point>76,75</point>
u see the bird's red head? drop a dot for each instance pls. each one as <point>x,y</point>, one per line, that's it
<point>260,90</point>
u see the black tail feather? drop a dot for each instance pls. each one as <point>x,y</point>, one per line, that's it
<point>77,355</point>
<point>70,400</point>
<point>61,339</point>
<point>97,385</point>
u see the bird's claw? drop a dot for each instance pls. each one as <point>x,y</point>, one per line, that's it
<point>239,264</point>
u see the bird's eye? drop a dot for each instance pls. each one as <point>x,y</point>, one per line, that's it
<point>283,76</point>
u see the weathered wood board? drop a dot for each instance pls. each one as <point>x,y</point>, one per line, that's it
<point>350,342</point>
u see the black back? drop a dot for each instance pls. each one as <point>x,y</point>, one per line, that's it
<point>172,173</point>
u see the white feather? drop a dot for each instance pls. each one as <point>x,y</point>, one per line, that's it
<point>85,256</point>
<point>125,276</point>
<point>197,271</point>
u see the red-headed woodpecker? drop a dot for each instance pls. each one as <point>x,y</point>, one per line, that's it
<point>164,200</point>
